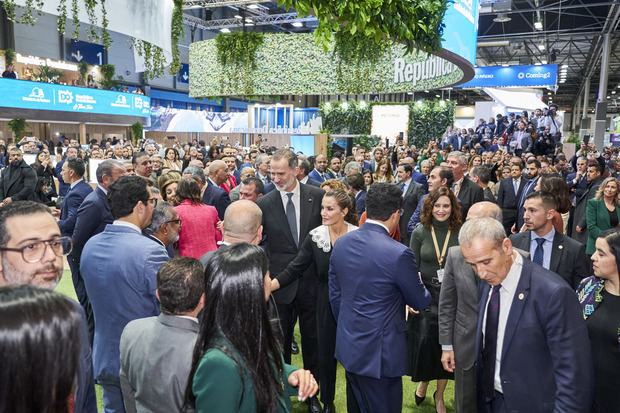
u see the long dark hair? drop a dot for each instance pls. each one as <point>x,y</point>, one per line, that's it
<point>236,311</point>
<point>612,237</point>
<point>426,217</point>
<point>39,350</point>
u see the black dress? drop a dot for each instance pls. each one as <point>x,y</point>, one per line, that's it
<point>317,249</point>
<point>603,327</point>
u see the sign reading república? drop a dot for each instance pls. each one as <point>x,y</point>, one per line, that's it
<point>46,96</point>
<point>500,76</point>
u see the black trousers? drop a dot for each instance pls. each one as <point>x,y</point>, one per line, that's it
<point>326,335</point>
<point>496,405</point>
<point>80,291</point>
<point>305,306</point>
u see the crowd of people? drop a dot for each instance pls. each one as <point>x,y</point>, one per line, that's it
<point>486,257</point>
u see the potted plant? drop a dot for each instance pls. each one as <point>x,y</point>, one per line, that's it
<point>109,82</point>
<point>9,57</point>
<point>136,132</point>
<point>18,127</point>
<point>83,69</point>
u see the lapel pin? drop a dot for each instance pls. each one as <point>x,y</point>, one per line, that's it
<point>560,247</point>
<point>521,296</point>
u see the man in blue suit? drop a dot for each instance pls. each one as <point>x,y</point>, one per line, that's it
<point>214,195</point>
<point>357,189</point>
<point>319,173</point>
<point>72,172</point>
<point>120,267</point>
<point>532,345</point>
<point>368,294</point>
<point>63,186</point>
<point>92,217</point>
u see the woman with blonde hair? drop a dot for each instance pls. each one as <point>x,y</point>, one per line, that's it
<point>383,172</point>
<point>167,184</point>
<point>603,211</point>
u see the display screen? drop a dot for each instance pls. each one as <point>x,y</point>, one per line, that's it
<point>500,76</point>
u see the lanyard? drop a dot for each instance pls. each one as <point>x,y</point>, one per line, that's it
<point>441,256</point>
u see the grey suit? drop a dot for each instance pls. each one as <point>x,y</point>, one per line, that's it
<point>156,357</point>
<point>458,315</point>
<point>411,198</point>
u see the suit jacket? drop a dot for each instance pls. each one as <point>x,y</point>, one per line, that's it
<point>312,182</point>
<point>546,362</point>
<point>568,257</point>
<point>368,292</point>
<point>360,202</point>
<point>63,187</point>
<point>277,238</point>
<point>156,358</point>
<point>421,179</point>
<point>488,195</point>
<point>119,268</point>
<point>92,217</point>
<point>411,199</point>
<point>469,194</point>
<point>20,185</point>
<point>70,206</point>
<point>526,141</point>
<point>507,201</point>
<point>217,197</point>
<point>528,189</point>
<point>314,175</point>
<point>578,216</point>
<point>597,220</point>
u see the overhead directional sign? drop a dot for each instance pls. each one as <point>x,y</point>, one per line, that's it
<point>90,53</point>
<point>506,76</point>
<point>183,75</point>
<point>46,96</point>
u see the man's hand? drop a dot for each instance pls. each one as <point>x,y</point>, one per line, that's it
<point>305,383</point>
<point>6,201</point>
<point>275,284</point>
<point>447,359</point>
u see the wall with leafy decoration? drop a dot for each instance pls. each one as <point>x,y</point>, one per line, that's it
<point>295,64</point>
<point>427,119</point>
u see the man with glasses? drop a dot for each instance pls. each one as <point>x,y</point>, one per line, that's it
<point>32,251</point>
<point>165,226</point>
<point>119,268</point>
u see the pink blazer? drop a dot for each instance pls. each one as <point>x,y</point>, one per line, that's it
<point>199,233</point>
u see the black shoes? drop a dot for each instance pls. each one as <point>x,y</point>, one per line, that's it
<point>314,406</point>
<point>329,408</point>
<point>418,399</point>
<point>294,347</point>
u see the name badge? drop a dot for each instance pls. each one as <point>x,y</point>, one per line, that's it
<point>440,275</point>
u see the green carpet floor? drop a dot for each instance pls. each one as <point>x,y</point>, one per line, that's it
<point>66,287</point>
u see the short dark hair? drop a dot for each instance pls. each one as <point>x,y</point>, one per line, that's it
<point>76,165</point>
<point>447,174</point>
<point>259,186</point>
<point>134,160</point>
<point>180,283</point>
<point>548,200</point>
<point>187,188</point>
<point>304,165</point>
<point>382,200</point>
<point>18,208</point>
<point>407,166</point>
<point>482,172</point>
<point>356,181</point>
<point>596,166</point>
<point>125,193</point>
<point>534,161</point>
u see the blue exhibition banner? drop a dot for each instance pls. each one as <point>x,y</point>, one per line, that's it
<point>506,76</point>
<point>90,53</point>
<point>183,75</point>
<point>460,33</point>
<point>47,96</point>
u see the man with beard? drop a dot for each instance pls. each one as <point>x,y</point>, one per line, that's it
<point>18,180</point>
<point>32,253</point>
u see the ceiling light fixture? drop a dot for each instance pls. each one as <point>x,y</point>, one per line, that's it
<point>298,24</point>
<point>253,6</point>
<point>538,25</point>
<point>502,18</point>
<point>544,61</point>
<point>225,30</point>
<point>541,47</point>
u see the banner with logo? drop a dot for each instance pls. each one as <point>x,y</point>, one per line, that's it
<point>500,76</point>
<point>183,120</point>
<point>46,96</point>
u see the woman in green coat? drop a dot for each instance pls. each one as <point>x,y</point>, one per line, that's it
<point>237,364</point>
<point>602,211</point>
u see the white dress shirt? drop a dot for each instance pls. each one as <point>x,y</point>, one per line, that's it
<point>547,246</point>
<point>406,187</point>
<point>506,295</point>
<point>296,202</point>
<point>127,224</point>
<point>372,221</point>
<point>304,180</point>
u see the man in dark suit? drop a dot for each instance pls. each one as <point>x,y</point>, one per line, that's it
<point>522,140</point>
<point>214,195</point>
<point>367,293</point>
<point>17,179</point>
<point>458,313</point>
<point>356,188</point>
<point>481,176</point>
<point>73,173</point>
<point>156,352</point>
<point>164,227</point>
<point>508,196</point>
<point>532,168</point>
<point>578,180</point>
<point>288,215</point>
<point>532,345</point>
<point>549,248</point>
<point>577,221</point>
<point>92,217</point>
<point>302,176</point>
<point>412,193</point>
<point>465,190</point>
<point>63,187</point>
<point>457,140</point>
<point>319,173</point>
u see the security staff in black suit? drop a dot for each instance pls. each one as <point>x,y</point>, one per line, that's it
<point>481,175</point>
<point>288,215</point>
<point>532,168</point>
<point>547,247</point>
<point>508,195</point>
<point>412,192</point>
<point>465,190</point>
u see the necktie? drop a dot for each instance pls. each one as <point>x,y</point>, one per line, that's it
<point>540,252</point>
<point>402,188</point>
<point>525,191</point>
<point>490,345</point>
<point>291,218</point>
<point>515,184</point>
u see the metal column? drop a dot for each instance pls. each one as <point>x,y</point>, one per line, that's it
<point>601,104</point>
<point>584,118</point>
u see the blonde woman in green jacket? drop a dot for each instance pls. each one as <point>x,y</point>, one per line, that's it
<point>237,364</point>
<point>602,211</point>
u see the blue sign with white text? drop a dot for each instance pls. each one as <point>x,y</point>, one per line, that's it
<point>183,75</point>
<point>460,33</point>
<point>46,96</point>
<point>500,76</point>
<point>90,53</point>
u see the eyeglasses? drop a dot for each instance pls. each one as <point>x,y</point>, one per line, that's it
<point>35,250</point>
<point>178,221</point>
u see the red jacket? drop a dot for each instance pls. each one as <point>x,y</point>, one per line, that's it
<point>199,233</point>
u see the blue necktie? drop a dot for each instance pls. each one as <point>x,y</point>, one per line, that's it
<point>291,218</point>
<point>524,193</point>
<point>539,254</point>
<point>490,345</point>
<point>402,188</point>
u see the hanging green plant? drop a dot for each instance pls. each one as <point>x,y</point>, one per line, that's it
<point>236,52</point>
<point>76,19</point>
<point>93,34</point>
<point>154,60</point>
<point>415,23</point>
<point>83,69</point>
<point>176,34</point>
<point>358,56</point>
<point>18,127</point>
<point>105,35</point>
<point>108,80</point>
<point>9,9</point>
<point>9,57</point>
<point>61,22</point>
<point>136,132</point>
